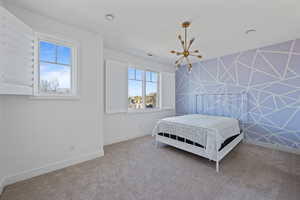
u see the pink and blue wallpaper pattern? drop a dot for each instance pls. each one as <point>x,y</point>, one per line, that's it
<point>271,78</point>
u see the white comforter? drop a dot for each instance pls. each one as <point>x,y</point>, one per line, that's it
<point>209,131</point>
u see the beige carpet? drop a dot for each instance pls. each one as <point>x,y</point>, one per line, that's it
<point>137,170</point>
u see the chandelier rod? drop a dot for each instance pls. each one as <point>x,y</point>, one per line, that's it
<point>185,38</point>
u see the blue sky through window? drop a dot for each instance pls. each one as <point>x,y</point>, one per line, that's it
<point>135,83</point>
<point>138,74</point>
<point>135,88</point>
<point>47,52</point>
<point>151,76</point>
<point>64,55</point>
<point>151,87</point>
<point>55,67</point>
<point>57,73</point>
<point>131,73</point>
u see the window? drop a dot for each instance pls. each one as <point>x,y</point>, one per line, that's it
<point>56,68</point>
<point>142,89</point>
<point>135,88</point>
<point>151,90</point>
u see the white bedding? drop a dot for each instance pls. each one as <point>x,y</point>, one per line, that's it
<point>209,131</point>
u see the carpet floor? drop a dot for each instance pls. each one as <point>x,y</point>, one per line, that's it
<point>136,170</point>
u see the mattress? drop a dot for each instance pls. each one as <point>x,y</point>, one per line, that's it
<point>207,131</point>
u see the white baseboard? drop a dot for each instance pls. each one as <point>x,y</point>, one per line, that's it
<point>48,168</point>
<point>1,186</point>
<point>274,146</point>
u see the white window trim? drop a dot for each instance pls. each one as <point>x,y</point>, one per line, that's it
<point>158,89</point>
<point>149,110</point>
<point>74,70</point>
<point>145,109</point>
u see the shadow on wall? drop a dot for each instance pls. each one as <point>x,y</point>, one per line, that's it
<point>271,77</point>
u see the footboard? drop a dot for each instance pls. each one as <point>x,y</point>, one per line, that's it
<point>191,147</point>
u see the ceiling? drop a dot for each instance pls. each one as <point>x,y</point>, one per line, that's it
<point>143,26</point>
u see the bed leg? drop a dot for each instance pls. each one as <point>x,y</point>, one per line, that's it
<point>156,143</point>
<point>217,166</point>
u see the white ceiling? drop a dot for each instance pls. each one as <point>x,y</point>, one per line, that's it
<point>152,26</point>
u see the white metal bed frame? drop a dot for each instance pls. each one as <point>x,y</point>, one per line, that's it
<point>208,104</point>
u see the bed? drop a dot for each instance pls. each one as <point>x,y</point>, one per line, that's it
<point>212,131</point>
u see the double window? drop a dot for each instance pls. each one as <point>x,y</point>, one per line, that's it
<point>142,89</point>
<point>130,89</point>
<point>56,70</point>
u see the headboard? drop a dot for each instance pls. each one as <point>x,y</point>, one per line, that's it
<point>227,104</point>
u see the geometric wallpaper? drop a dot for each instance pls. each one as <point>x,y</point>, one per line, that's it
<point>271,78</point>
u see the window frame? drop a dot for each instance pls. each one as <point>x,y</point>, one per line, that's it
<point>145,89</point>
<point>74,67</point>
<point>144,82</point>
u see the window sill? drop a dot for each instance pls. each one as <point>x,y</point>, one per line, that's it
<point>154,110</point>
<point>50,97</point>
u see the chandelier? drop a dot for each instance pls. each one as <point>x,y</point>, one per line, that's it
<point>184,55</point>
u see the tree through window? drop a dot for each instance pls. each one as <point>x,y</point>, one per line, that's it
<point>56,68</point>
<point>142,89</point>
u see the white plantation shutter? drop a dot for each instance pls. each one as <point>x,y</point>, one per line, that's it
<point>116,86</point>
<point>16,55</point>
<point>167,88</point>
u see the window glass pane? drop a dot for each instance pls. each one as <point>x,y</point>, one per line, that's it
<point>148,76</point>
<point>131,73</point>
<point>139,74</point>
<point>135,94</point>
<point>154,76</point>
<point>151,95</point>
<point>47,52</point>
<point>64,55</point>
<point>55,78</point>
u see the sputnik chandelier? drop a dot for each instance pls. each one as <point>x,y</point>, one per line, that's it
<point>184,55</point>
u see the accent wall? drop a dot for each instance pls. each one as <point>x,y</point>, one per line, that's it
<point>271,78</point>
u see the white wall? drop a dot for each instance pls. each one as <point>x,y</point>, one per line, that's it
<point>2,132</point>
<point>43,135</point>
<point>124,126</point>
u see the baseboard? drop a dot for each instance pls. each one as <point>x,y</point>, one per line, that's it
<point>274,146</point>
<point>48,168</point>
<point>1,186</point>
